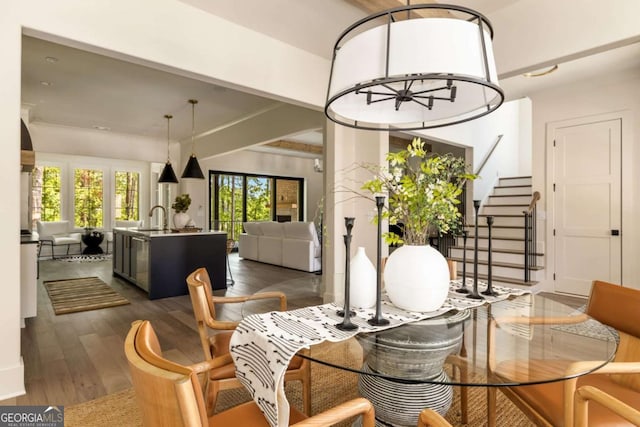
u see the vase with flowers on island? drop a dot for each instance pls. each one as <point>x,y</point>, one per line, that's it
<point>181,206</point>
<point>423,191</point>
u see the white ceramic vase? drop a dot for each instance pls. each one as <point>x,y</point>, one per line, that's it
<point>417,278</point>
<point>362,286</point>
<point>180,220</point>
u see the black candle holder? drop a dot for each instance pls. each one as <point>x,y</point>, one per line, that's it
<point>489,291</point>
<point>346,324</point>
<point>377,319</point>
<point>474,293</point>
<point>463,289</point>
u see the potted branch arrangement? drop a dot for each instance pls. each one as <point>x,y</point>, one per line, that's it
<point>423,191</point>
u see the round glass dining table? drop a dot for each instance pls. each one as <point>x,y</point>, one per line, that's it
<point>527,339</point>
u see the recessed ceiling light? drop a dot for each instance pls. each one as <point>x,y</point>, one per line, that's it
<point>105,128</point>
<point>51,59</point>
<point>541,73</point>
<point>46,83</point>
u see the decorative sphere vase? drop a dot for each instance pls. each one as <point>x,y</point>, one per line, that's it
<point>417,278</point>
<point>180,220</point>
<point>362,285</point>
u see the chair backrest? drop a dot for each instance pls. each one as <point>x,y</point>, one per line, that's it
<point>50,228</point>
<point>617,306</point>
<point>168,394</point>
<point>199,285</point>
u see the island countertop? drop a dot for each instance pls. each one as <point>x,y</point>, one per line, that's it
<point>158,232</point>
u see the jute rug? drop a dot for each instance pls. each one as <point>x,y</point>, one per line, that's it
<point>329,387</point>
<point>81,294</point>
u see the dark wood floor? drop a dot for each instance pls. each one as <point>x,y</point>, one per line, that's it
<point>76,357</point>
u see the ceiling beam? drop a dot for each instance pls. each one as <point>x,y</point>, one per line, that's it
<point>296,146</point>
<point>374,6</point>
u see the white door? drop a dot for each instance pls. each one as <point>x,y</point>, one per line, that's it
<point>587,202</point>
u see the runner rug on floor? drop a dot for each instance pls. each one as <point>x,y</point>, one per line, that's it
<point>81,294</point>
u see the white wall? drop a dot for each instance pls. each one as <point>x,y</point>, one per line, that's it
<point>610,93</point>
<point>166,34</point>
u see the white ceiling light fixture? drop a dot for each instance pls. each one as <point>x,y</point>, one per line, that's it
<point>413,72</point>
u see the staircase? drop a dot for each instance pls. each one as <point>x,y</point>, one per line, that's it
<point>509,198</point>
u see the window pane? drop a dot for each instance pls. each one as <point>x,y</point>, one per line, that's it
<point>258,198</point>
<point>127,196</point>
<point>230,204</point>
<point>45,194</point>
<point>88,209</point>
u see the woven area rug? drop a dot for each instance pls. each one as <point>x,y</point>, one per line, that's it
<point>329,387</point>
<point>85,258</point>
<point>81,294</point>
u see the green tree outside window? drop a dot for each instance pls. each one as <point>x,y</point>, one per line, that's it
<point>88,198</point>
<point>127,196</point>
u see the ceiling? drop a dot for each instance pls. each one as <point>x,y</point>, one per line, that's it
<point>70,87</point>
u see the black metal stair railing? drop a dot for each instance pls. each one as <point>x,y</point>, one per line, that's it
<point>530,230</point>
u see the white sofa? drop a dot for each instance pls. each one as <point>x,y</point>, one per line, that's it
<point>57,233</point>
<point>288,244</point>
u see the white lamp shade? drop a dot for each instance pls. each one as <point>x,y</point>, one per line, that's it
<point>423,54</point>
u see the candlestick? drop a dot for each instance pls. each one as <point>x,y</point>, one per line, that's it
<point>489,290</point>
<point>346,324</point>
<point>463,289</point>
<point>377,319</point>
<point>474,293</point>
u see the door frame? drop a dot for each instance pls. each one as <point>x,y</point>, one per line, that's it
<point>628,228</point>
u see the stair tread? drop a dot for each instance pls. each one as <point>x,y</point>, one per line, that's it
<point>504,204</point>
<point>513,186</point>
<point>503,251</point>
<point>500,279</point>
<point>517,227</point>
<point>499,264</point>
<point>517,177</point>
<point>515,239</point>
<point>503,215</point>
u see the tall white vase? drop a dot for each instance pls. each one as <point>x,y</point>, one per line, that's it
<point>417,278</point>
<point>362,293</point>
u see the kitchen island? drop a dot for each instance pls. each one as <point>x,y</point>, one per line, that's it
<point>159,261</point>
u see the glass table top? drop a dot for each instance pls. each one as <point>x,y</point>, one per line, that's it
<point>527,339</point>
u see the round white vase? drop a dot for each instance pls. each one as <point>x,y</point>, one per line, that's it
<point>417,278</point>
<point>180,220</point>
<point>362,286</point>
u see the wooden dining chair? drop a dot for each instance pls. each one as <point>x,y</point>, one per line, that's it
<point>552,404</point>
<point>430,418</point>
<point>169,394</point>
<point>587,393</point>
<point>215,335</point>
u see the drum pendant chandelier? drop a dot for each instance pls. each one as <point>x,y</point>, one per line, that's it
<point>414,72</point>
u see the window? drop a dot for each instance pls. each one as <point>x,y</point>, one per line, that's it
<point>88,200</point>
<point>45,193</point>
<point>127,196</point>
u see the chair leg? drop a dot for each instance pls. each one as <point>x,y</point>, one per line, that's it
<point>229,282</point>
<point>491,406</point>
<point>213,388</point>
<point>306,392</point>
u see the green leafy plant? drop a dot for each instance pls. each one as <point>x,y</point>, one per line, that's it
<point>182,203</point>
<point>422,190</point>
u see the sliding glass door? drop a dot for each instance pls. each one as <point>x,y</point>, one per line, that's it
<point>239,197</point>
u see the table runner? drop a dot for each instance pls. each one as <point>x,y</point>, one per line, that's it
<point>263,344</point>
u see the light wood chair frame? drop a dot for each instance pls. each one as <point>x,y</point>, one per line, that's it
<point>572,371</point>
<point>203,302</point>
<point>169,394</point>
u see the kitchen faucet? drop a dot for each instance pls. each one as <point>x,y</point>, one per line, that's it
<point>165,222</point>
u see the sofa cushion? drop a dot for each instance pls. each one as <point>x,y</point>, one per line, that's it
<point>272,229</point>
<point>302,231</point>
<point>252,228</point>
